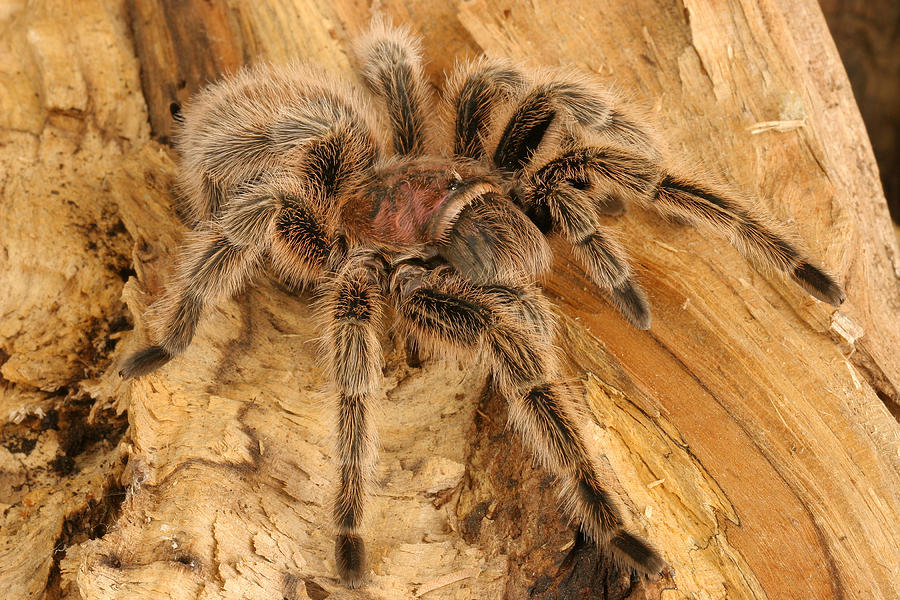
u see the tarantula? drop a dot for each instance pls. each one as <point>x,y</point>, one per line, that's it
<point>288,164</point>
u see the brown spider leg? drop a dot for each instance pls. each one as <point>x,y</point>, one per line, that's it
<point>562,195</point>
<point>607,171</point>
<point>286,215</point>
<point>446,310</point>
<point>210,265</point>
<point>391,64</point>
<point>524,131</point>
<point>584,107</point>
<point>302,249</point>
<point>333,166</point>
<point>491,239</point>
<point>472,92</point>
<point>351,306</point>
<point>527,305</point>
<point>265,120</point>
<point>752,235</point>
<point>334,159</point>
<point>608,266</point>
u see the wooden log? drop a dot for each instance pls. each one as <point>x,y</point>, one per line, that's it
<point>866,36</point>
<point>748,431</point>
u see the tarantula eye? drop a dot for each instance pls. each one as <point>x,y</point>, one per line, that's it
<point>455,182</point>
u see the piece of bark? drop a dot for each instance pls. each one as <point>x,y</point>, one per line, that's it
<point>744,430</point>
<point>165,32</point>
<point>70,107</point>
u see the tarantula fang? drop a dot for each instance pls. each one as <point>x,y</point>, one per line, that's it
<point>289,165</point>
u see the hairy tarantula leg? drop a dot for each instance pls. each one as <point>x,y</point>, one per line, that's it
<point>332,167</point>
<point>524,131</point>
<point>351,306</point>
<point>585,106</point>
<point>472,91</point>
<point>391,64</point>
<point>754,236</point>
<point>545,418</point>
<point>491,239</point>
<point>270,119</point>
<point>562,194</point>
<point>301,250</point>
<point>528,306</point>
<point>444,309</point>
<point>210,265</point>
<point>609,268</point>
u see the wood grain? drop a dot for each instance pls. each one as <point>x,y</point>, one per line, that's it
<point>749,431</point>
<point>866,36</point>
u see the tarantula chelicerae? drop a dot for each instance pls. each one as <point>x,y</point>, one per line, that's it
<point>288,164</point>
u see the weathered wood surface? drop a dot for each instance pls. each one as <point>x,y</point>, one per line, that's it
<point>749,430</point>
<point>866,34</point>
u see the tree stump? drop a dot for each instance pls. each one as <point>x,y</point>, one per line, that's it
<point>749,431</point>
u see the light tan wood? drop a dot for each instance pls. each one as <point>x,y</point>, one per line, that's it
<point>748,431</point>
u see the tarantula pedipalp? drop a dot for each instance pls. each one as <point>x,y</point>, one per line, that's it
<point>288,164</point>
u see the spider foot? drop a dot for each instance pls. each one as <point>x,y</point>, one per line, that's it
<point>144,361</point>
<point>631,302</point>
<point>630,550</point>
<point>819,284</point>
<point>350,555</point>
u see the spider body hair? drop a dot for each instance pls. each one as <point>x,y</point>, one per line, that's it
<point>287,166</point>
<point>390,62</point>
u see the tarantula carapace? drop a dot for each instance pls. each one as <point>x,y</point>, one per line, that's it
<point>288,165</point>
